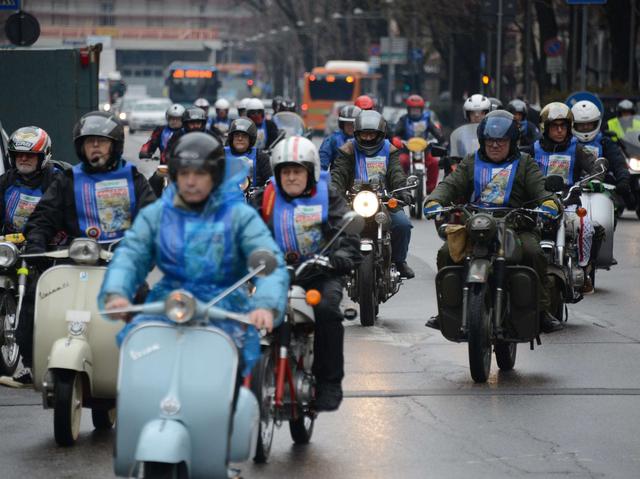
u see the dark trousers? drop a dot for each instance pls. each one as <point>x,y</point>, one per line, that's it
<point>400,236</point>
<point>24,334</point>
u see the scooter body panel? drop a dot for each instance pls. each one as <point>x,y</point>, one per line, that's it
<point>73,354</point>
<point>246,421</point>
<point>67,288</point>
<point>164,440</point>
<point>302,311</point>
<point>601,210</point>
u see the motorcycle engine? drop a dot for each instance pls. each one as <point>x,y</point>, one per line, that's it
<point>305,387</point>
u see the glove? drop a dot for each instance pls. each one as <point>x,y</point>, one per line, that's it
<point>444,163</point>
<point>430,209</point>
<point>341,262</point>
<point>406,197</point>
<point>623,187</point>
<point>550,209</point>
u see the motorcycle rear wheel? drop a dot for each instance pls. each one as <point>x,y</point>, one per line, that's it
<point>9,349</point>
<point>367,290</point>
<point>263,386</point>
<point>506,355</point>
<point>479,341</point>
<point>301,429</point>
<point>67,407</point>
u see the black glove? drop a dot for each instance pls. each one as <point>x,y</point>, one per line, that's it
<point>341,262</point>
<point>405,197</point>
<point>623,187</point>
<point>444,163</point>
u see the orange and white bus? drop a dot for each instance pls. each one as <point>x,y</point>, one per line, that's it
<point>338,80</point>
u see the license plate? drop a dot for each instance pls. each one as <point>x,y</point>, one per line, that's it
<point>78,316</point>
<point>418,166</point>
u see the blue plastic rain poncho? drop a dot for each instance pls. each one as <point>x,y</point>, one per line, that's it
<point>203,252</point>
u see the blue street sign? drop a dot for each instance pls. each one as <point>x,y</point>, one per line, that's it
<point>586,2</point>
<point>10,4</point>
<point>577,96</point>
<point>483,60</point>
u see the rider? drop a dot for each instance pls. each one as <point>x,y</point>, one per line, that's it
<point>288,105</point>
<point>200,241</point>
<point>369,156</point>
<point>300,187</point>
<point>161,135</point>
<point>240,146</point>
<point>267,129</point>
<point>242,107</point>
<point>476,107</point>
<point>204,104</point>
<point>364,102</point>
<point>221,121</point>
<point>193,119</point>
<point>624,120</point>
<point>329,147</point>
<point>276,103</point>
<point>518,182</point>
<point>529,133</point>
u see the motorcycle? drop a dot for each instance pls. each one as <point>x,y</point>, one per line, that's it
<point>376,279</point>
<point>489,301</point>
<point>462,142</point>
<point>180,412</point>
<point>418,147</point>
<point>75,358</point>
<point>283,380</point>
<point>13,282</point>
<point>630,144</point>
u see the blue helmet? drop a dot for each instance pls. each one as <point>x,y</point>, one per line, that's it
<point>496,125</point>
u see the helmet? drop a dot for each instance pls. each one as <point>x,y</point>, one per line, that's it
<point>364,102</point>
<point>414,101</point>
<point>276,103</point>
<point>197,150</point>
<point>99,123</point>
<point>370,121</point>
<point>194,113</point>
<point>255,104</point>
<point>296,150</point>
<point>586,112</point>
<point>348,114</point>
<point>555,111</point>
<point>496,125</point>
<point>175,111</point>
<point>495,103</point>
<point>626,105</point>
<point>202,103</point>
<point>222,104</point>
<point>242,104</point>
<point>30,139</point>
<point>517,106</point>
<point>244,125</point>
<point>476,102</point>
<point>288,105</point>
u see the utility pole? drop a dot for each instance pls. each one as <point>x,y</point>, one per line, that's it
<point>583,66</point>
<point>632,42</point>
<point>499,51</point>
<point>527,50</point>
<point>390,66</point>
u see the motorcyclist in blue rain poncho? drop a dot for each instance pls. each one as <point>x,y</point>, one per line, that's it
<point>200,236</point>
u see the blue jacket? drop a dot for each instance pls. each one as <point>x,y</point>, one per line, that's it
<point>202,252</point>
<point>329,148</point>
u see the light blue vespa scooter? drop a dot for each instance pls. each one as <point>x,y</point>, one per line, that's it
<point>176,388</point>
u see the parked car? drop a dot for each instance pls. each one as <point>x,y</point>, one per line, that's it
<point>123,107</point>
<point>148,114</point>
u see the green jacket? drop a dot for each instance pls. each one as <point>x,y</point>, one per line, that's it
<point>458,187</point>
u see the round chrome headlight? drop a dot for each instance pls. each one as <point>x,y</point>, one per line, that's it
<point>84,251</point>
<point>365,203</point>
<point>180,306</point>
<point>8,255</point>
<point>634,164</point>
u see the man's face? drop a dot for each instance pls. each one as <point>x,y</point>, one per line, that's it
<point>26,163</point>
<point>497,150</point>
<point>519,117</point>
<point>415,112</point>
<point>97,150</point>
<point>476,116</point>
<point>293,179</point>
<point>366,136</point>
<point>240,142</point>
<point>194,125</point>
<point>558,130</point>
<point>586,127</point>
<point>194,185</point>
<point>222,114</point>
<point>256,116</point>
<point>175,122</point>
<point>626,113</point>
<point>348,127</point>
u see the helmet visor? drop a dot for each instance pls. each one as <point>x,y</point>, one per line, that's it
<point>497,127</point>
<point>98,126</point>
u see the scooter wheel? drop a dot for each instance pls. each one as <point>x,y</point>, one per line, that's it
<point>103,419</point>
<point>301,429</point>
<point>67,407</point>
<point>263,386</point>
<point>9,349</point>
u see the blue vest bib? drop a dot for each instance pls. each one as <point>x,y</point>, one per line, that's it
<point>493,182</point>
<point>19,203</point>
<point>249,158</point>
<point>339,139</point>
<point>557,163</point>
<point>165,136</point>
<point>261,141</point>
<point>105,202</point>
<point>297,224</point>
<point>370,167</point>
<point>417,127</point>
<point>594,146</point>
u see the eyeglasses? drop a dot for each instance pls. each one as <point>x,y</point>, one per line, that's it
<point>100,140</point>
<point>499,142</point>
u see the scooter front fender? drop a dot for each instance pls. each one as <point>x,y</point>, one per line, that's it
<point>164,440</point>
<point>73,354</point>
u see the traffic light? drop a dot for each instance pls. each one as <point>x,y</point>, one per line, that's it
<point>249,84</point>
<point>486,79</point>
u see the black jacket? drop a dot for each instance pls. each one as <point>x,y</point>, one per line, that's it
<point>180,133</point>
<point>617,173</point>
<point>56,211</point>
<point>272,133</point>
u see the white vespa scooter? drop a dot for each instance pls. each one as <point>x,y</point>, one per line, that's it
<point>75,357</point>
<point>177,390</point>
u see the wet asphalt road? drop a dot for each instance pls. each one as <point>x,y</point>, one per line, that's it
<point>570,408</point>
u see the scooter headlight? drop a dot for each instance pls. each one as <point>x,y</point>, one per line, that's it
<point>634,164</point>
<point>84,251</point>
<point>180,306</point>
<point>365,203</point>
<point>8,254</point>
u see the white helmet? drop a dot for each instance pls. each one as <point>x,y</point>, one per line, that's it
<point>222,104</point>
<point>476,102</point>
<point>297,150</point>
<point>586,112</point>
<point>242,104</point>
<point>201,103</point>
<point>255,104</point>
<point>174,111</point>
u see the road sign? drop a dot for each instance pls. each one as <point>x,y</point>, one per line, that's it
<point>586,2</point>
<point>554,65</point>
<point>584,95</point>
<point>554,47</point>
<point>10,4</point>
<point>394,51</point>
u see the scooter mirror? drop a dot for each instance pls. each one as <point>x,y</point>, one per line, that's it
<point>553,183</point>
<point>603,163</point>
<point>264,258</point>
<point>412,180</point>
<point>354,223</point>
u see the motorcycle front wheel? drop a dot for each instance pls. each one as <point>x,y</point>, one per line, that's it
<point>367,290</point>
<point>506,355</point>
<point>67,407</point>
<point>479,341</point>
<point>263,385</point>
<point>418,196</point>
<point>301,429</point>
<point>9,349</point>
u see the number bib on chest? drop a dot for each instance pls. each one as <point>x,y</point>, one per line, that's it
<point>492,182</point>
<point>371,168</point>
<point>558,163</point>
<point>19,204</point>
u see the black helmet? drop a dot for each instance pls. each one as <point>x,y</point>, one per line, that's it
<point>288,105</point>
<point>370,120</point>
<point>348,114</point>
<point>99,123</point>
<point>517,106</point>
<point>276,103</point>
<point>244,125</point>
<point>197,150</point>
<point>195,113</point>
<point>496,125</point>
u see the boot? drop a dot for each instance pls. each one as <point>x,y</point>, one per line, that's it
<point>549,324</point>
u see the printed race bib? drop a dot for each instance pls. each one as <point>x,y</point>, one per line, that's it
<point>114,205</point>
<point>419,128</point>
<point>261,140</point>
<point>495,191</point>
<point>559,165</point>
<point>307,227</point>
<point>26,205</point>
<point>376,166</point>
<point>593,150</point>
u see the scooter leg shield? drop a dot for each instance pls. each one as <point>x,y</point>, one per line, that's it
<point>164,440</point>
<point>72,354</point>
<point>522,285</point>
<point>449,284</point>
<point>245,427</point>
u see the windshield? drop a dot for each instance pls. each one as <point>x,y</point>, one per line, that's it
<point>464,140</point>
<point>186,90</point>
<point>290,122</point>
<point>331,87</point>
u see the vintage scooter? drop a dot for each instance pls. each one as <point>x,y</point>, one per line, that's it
<point>180,413</point>
<point>75,358</point>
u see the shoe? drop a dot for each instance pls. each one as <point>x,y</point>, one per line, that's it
<point>405,271</point>
<point>549,324</point>
<point>614,261</point>
<point>23,379</point>
<point>588,286</point>
<point>434,322</point>
<point>328,396</point>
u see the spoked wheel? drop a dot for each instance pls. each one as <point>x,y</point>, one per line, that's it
<point>367,291</point>
<point>479,340</point>
<point>67,407</point>
<point>418,197</point>
<point>163,470</point>
<point>506,355</point>
<point>301,429</point>
<point>263,385</point>
<point>9,349</point>
<point>103,419</point>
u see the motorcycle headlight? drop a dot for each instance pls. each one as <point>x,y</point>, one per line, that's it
<point>481,228</point>
<point>122,116</point>
<point>84,251</point>
<point>634,164</point>
<point>8,254</point>
<point>365,203</point>
<point>180,306</point>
